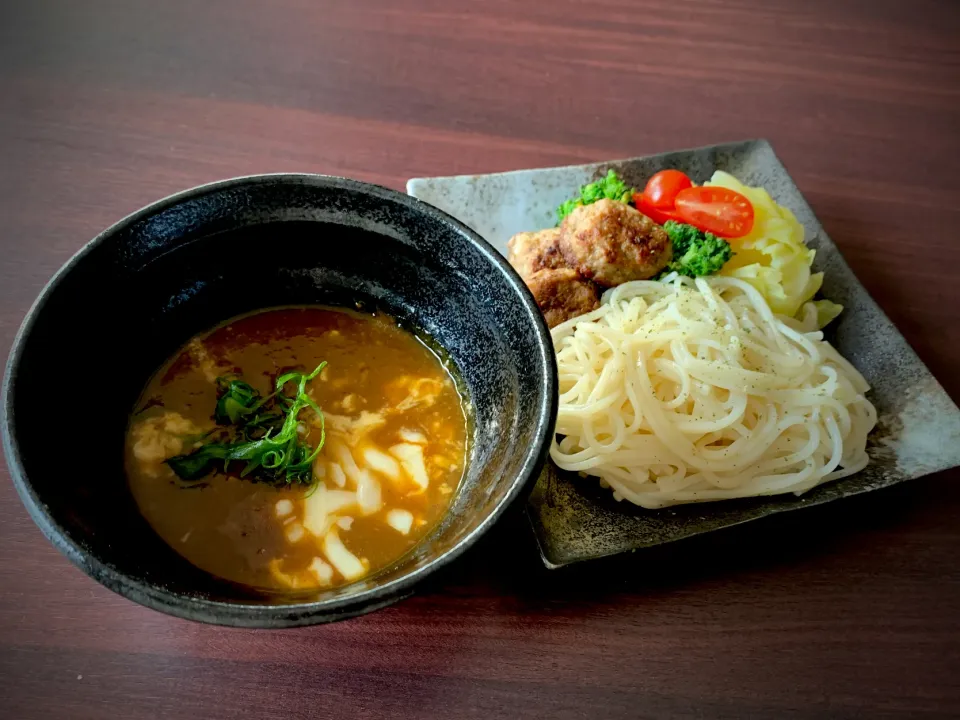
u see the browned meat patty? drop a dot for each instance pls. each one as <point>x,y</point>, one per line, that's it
<point>562,294</point>
<point>533,251</point>
<point>612,243</point>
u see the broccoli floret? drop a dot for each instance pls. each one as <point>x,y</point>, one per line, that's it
<point>566,208</point>
<point>610,187</point>
<point>695,252</point>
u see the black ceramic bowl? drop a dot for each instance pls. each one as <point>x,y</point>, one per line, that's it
<point>134,294</point>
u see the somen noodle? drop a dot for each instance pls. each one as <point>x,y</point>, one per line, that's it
<point>693,390</point>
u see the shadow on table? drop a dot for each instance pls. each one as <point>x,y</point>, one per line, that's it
<point>506,562</point>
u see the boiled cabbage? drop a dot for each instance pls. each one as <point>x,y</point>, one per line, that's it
<point>773,256</point>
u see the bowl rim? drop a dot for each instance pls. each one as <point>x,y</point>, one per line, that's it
<point>252,615</point>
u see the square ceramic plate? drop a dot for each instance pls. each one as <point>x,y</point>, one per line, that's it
<point>574,519</point>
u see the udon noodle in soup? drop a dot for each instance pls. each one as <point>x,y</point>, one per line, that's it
<point>298,448</point>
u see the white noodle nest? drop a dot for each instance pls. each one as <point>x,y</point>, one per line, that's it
<point>687,390</point>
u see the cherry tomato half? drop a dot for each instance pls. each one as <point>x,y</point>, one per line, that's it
<point>661,190</point>
<point>657,215</point>
<point>725,213</point>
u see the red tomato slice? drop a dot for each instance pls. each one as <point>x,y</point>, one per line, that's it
<point>657,215</point>
<point>661,190</point>
<point>725,213</point>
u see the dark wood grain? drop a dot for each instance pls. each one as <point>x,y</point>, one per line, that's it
<point>850,610</point>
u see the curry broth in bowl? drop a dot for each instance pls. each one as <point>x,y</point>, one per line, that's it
<point>371,473</point>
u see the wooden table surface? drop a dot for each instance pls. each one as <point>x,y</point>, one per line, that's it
<point>848,610</point>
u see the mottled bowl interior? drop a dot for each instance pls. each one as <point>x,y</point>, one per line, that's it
<point>141,289</point>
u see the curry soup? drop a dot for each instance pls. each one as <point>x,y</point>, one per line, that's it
<point>223,473</point>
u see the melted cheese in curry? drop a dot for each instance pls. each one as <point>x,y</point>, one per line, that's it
<point>396,437</point>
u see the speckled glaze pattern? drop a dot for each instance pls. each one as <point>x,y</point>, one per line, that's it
<point>138,291</point>
<point>919,426</point>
